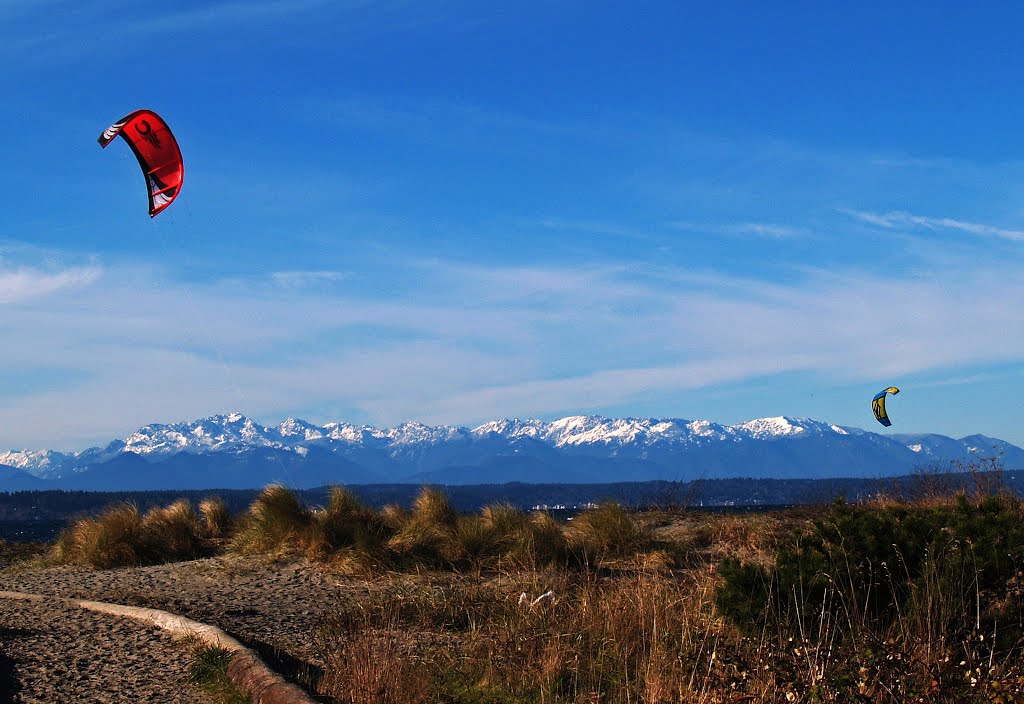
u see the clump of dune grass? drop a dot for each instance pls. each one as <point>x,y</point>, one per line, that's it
<point>173,532</point>
<point>509,527</point>
<point>113,539</point>
<point>473,543</point>
<point>433,507</point>
<point>277,523</point>
<point>427,536</point>
<point>481,541</point>
<point>357,539</point>
<point>394,516</point>
<point>217,522</point>
<point>434,534</point>
<point>545,542</point>
<point>607,532</point>
<point>503,535</point>
<point>121,537</point>
<point>420,542</point>
<point>347,530</point>
<point>504,519</point>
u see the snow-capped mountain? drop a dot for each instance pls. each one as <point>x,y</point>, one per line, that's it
<point>231,450</point>
<point>37,462</point>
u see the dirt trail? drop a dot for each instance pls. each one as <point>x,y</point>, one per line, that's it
<point>52,652</point>
<point>273,609</point>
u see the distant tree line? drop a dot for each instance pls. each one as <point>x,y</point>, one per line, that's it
<point>708,493</point>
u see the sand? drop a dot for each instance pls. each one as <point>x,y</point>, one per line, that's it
<point>272,608</point>
<point>52,652</point>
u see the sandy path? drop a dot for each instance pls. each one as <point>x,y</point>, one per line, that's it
<point>52,653</point>
<point>273,609</point>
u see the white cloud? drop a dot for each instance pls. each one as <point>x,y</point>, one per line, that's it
<point>739,229</point>
<point>897,220</point>
<point>472,342</point>
<point>303,279</point>
<point>80,26</point>
<point>24,283</point>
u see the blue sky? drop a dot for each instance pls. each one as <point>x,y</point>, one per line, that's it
<point>458,211</point>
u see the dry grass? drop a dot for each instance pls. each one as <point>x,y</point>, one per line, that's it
<point>216,517</point>
<point>120,537</point>
<point>113,539</point>
<point>176,529</point>
<point>504,606</point>
<point>356,539</point>
<point>276,524</point>
<point>607,532</point>
<point>530,636</point>
<point>370,663</point>
<point>645,626</point>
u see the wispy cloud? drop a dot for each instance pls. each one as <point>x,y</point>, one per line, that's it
<point>470,342</point>
<point>966,380</point>
<point>896,220</point>
<point>219,15</point>
<point>595,227</point>
<point>740,229</point>
<point>305,279</point>
<point>24,283</point>
<point>382,113</point>
<point>118,18</point>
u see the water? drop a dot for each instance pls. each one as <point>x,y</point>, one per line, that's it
<point>44,531</point>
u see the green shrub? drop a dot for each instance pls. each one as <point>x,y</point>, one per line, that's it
<point>744,595</point>
<point>927,569</point>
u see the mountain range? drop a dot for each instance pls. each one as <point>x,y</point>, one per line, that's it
<point>233,451</point>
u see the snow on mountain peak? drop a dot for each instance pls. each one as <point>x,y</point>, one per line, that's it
<point>705,429</point>
<point>352,434</point>
<point>414,432</point>
<point>770,427</point>
<point>234,431</point>
<point>213,433</point>
<point>511,428</point>
<point>295,428</point>
<point>37,462</point>
<point>598,430</point>
<point>784,426</point>
<point>579,434</point>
